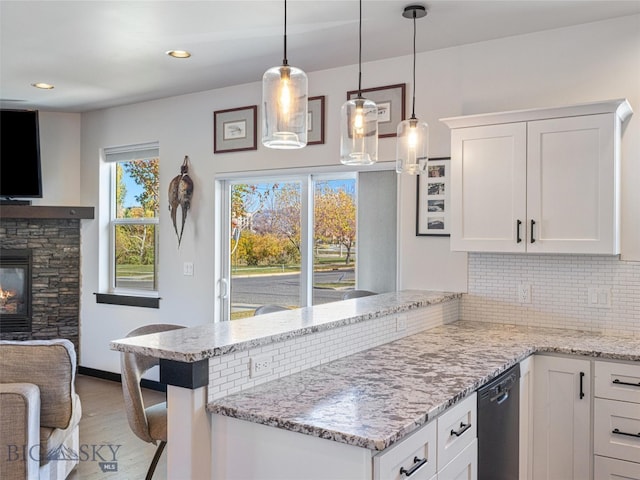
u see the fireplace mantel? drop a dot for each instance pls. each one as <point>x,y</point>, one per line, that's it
<point>38,211</point>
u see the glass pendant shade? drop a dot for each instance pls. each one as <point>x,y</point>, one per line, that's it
<point>359,132</point>
<point>412,146</point>
<point>284,104</point>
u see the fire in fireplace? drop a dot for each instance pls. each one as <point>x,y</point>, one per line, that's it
<point>15,290</point>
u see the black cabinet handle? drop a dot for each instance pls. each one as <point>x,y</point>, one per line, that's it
<point>617,381</point>
<point>581,385</point>
<point>533,240</point>
<point>417,463</point>
<point>618,432</point>
<point>518,239</point>
<point>463,428</point>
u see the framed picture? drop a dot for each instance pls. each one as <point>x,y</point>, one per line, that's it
<point>433,199</point>
<point>235,129</point>
<point>391,106</point>
<point>315,121</point>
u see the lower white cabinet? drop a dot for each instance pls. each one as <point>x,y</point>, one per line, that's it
<point>414,456</point>
<point>616,428</point>
<point>561,418</point>
<point>612,469</point>
<point>526,418</point>
<point>464,466</point>
<point>443,449</point>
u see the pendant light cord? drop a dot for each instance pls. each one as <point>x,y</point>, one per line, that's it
<point>413,103</point>
<point>284,61</point>
<point>360,53</point>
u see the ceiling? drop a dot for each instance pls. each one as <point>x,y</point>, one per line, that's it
<point>100,54</point>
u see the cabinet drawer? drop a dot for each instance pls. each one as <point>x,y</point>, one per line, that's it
<point>464,466</point>
<point>417,448</point>
<point>617,381</point>
<point>616,429</point>
<point>612,469</point>
<point>457,428</point>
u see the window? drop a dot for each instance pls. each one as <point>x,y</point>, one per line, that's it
<point>133,222</point>
<point>291,241</point>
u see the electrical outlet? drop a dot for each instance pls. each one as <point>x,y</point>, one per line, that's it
<point>260,365</point>
<point>401,323</point>
<point>524,293</point>
<point>599,297</point>
<point>187,269</point>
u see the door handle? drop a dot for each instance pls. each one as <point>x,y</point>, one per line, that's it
<point>618,432</point>
<point>463,428</point>
<point>581,385</point>
<point>533,240</point>
<point>223,282</point>
<point>417,463</point>
<point>518,239</point>
<point>617,381</point>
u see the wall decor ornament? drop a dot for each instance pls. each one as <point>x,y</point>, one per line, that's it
<point>180,194</point>
<point>390,101</point>
<point>315,121</point>
<point>234,129</point>
<point>433,199</point>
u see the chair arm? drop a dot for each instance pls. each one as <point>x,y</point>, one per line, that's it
<point>19,431</point>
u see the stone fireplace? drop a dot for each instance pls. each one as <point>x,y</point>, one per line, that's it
<point>49,238</point>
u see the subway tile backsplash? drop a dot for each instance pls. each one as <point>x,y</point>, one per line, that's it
<point>563,289</point>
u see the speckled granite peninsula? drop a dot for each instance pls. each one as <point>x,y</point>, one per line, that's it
<point>374,398</point>
<point>215,339</point>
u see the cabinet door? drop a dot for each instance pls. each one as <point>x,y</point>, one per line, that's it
<point>488,188</point>
<point>561,418</point>
<point>572,170</point>
<point>526,418</point>
<point>462,467</point>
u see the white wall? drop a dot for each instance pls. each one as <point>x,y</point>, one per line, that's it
<point>572,65</point>
<point>60,157</point>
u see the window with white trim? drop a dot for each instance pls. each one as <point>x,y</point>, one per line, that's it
<point>134,222</point>
<point>297,240</point>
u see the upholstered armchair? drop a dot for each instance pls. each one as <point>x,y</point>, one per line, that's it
<point>39,410</point>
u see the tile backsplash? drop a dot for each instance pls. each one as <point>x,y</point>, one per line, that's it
<point>562,291</point>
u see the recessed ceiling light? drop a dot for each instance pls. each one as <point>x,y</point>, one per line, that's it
<point>178,53</point>
<point>42,85</point>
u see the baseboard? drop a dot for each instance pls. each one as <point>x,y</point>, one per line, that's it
<point>116,377</point>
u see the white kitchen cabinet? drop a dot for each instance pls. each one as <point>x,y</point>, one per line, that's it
<point>526,419</point>
<point>279,454</point>
<point>611,469</point>
<point>561,418</point>
<point>464,466</point>
<point>540,181</point>
<point>616,427</point>
<point>414,456</point>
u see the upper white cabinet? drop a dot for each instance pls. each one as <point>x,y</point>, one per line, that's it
<point>540,181</point>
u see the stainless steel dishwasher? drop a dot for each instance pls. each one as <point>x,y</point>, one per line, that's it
<point>498,427</point>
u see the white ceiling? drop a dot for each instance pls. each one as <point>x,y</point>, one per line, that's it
<point>106,53</point>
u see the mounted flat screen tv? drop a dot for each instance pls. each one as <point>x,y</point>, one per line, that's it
<point>20,173</point>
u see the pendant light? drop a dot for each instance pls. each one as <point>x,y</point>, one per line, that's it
<point>284,103</point>
<point>359,122</point>
<point>412,147</point>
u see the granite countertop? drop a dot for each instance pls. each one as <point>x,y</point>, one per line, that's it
<point>206,341</point>
<point>374,398</point>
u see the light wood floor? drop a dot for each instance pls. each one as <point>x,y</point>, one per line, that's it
<point>104,422</point>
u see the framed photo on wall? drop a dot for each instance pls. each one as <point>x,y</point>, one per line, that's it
<point>390,101</point>
<point>433,199</point>
<point>235,129</point>
<point>315,121</point>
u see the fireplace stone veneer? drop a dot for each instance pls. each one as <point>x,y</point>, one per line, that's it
<point>55,277</point>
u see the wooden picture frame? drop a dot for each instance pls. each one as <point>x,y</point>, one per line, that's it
<point>235,129</point>
<point>315,121</point>
<point>390,100</point>
<point>433,199</point>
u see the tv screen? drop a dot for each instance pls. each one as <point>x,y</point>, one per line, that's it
<point>20,175</point>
